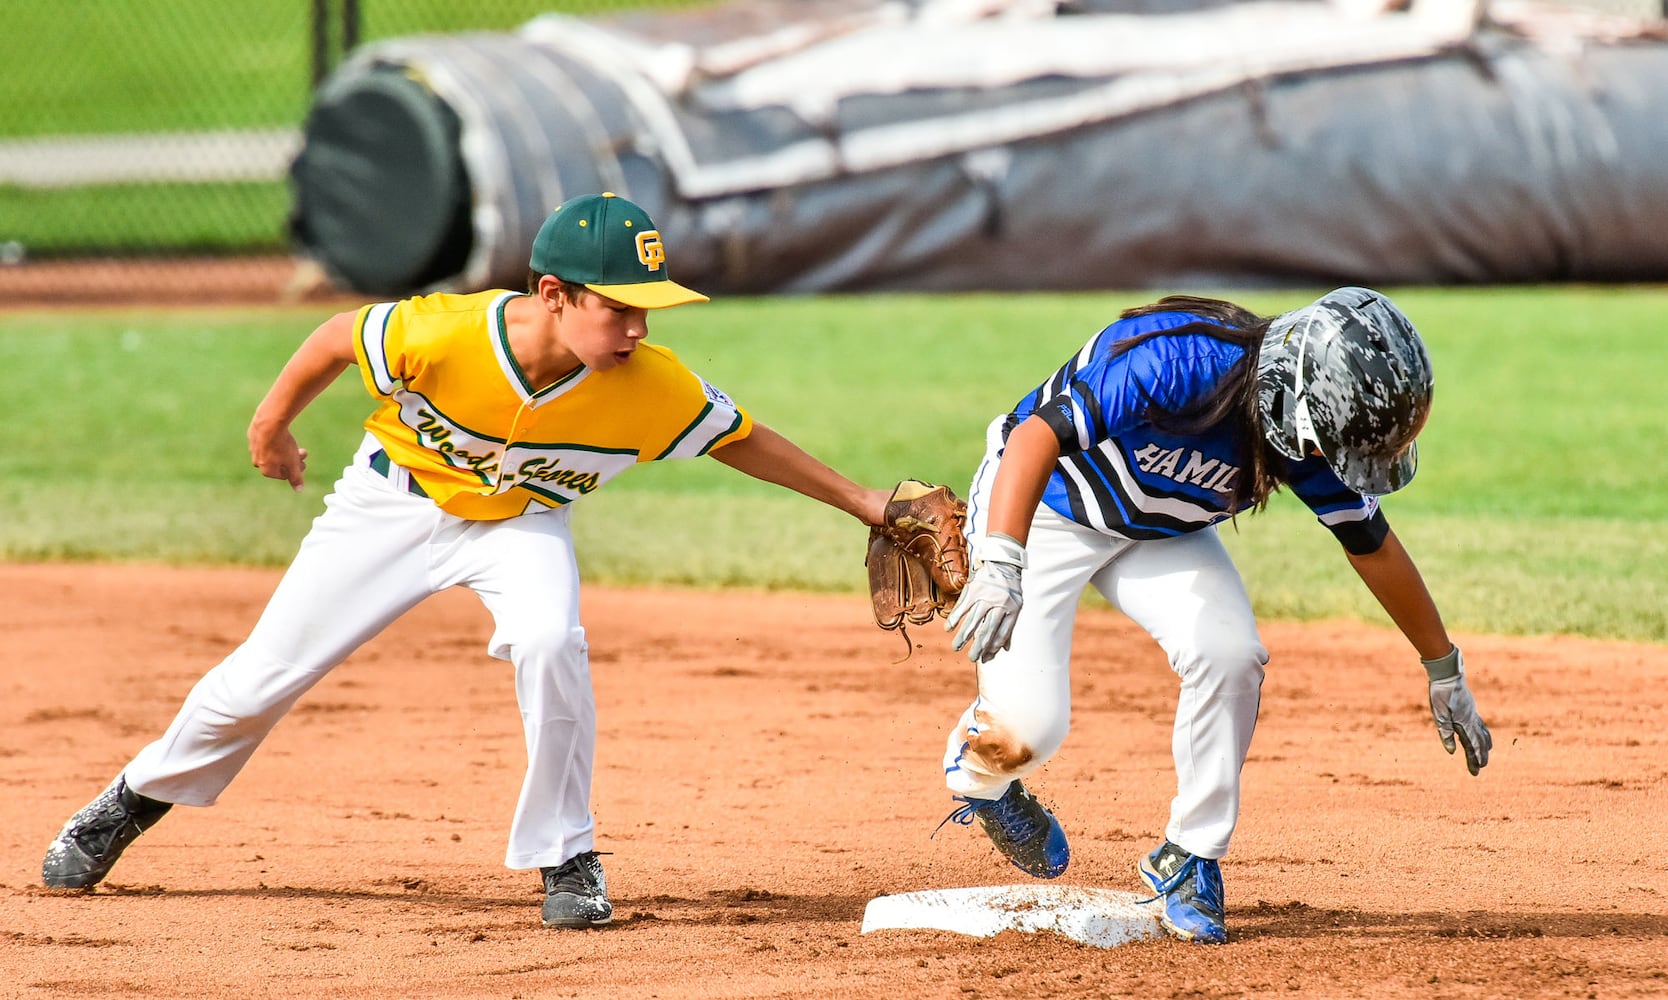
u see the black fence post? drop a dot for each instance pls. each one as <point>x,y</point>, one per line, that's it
<point>350,25</point>
<point>321,40</point>
<point>328,33</point>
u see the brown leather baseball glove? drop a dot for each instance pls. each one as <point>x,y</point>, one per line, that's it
<point>917,560</point>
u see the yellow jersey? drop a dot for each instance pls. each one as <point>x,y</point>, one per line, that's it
<point>460,416</point>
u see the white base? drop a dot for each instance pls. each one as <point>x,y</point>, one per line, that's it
<point>1099,917</point>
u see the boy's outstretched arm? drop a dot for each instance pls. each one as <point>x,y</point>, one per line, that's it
<point>767,455</point>
<point>325,354</point>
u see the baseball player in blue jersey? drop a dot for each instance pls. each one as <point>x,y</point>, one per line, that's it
<point>1114,473</point>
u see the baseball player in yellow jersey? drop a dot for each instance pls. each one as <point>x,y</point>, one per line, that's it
<point>497,411</point>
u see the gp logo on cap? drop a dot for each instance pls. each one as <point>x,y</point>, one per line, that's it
<point>650,250</point>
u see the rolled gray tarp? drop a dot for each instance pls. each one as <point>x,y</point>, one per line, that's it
<point>964,145</point>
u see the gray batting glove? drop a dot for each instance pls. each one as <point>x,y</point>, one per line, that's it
<point>1455,711</point>
<point>989,604</point>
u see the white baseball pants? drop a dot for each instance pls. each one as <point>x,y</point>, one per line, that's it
<point>375,552</point>
<point>1186,593</point>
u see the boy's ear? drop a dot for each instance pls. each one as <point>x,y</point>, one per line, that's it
<point>550,293</point>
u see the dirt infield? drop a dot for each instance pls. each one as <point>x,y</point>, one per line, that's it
<point>757,785</point>
<point>168,281</point>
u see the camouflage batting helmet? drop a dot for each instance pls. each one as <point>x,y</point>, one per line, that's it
<point>1347,375</point>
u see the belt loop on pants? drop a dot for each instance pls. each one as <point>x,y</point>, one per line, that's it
<point>382,466</point>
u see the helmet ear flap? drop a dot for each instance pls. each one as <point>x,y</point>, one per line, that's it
<point>1279,422</point>
<point>1276,399</point>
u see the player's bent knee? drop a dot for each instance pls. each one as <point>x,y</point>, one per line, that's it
<point>547,642</point>
<point>1013,747</point>
<point>253,683</point>
<point>552,668</point>
<point>1223,663</point>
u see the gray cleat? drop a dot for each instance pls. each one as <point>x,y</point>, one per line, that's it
<point>88,846</point>
<point>576,893</point>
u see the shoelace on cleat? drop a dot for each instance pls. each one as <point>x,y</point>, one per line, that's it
<point>110,819</point>
<point>964,815</point>
<point>1019,823</point>
<point>1207,890</point>
<point>1016,822</point>
<point>572,876</point>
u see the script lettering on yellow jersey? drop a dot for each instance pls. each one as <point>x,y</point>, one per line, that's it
<point>550,471</point>
<point>554,471</point>
<point>437,436</point>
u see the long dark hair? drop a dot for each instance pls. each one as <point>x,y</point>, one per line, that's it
<point>1233,401</point>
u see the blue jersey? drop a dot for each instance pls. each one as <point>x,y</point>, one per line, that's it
<point>1121,474</point>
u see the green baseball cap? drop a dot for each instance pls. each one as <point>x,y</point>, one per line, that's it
<point>609,245</point>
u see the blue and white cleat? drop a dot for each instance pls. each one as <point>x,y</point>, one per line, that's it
<point>1026,833</point>
<point>1192,890</point>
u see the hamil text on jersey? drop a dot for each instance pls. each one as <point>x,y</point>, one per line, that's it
<point>1186,465</point>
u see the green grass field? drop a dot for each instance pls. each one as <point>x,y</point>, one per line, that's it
<point>1539,506</point>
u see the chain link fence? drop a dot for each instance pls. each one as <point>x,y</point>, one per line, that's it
<point>135,134</point>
